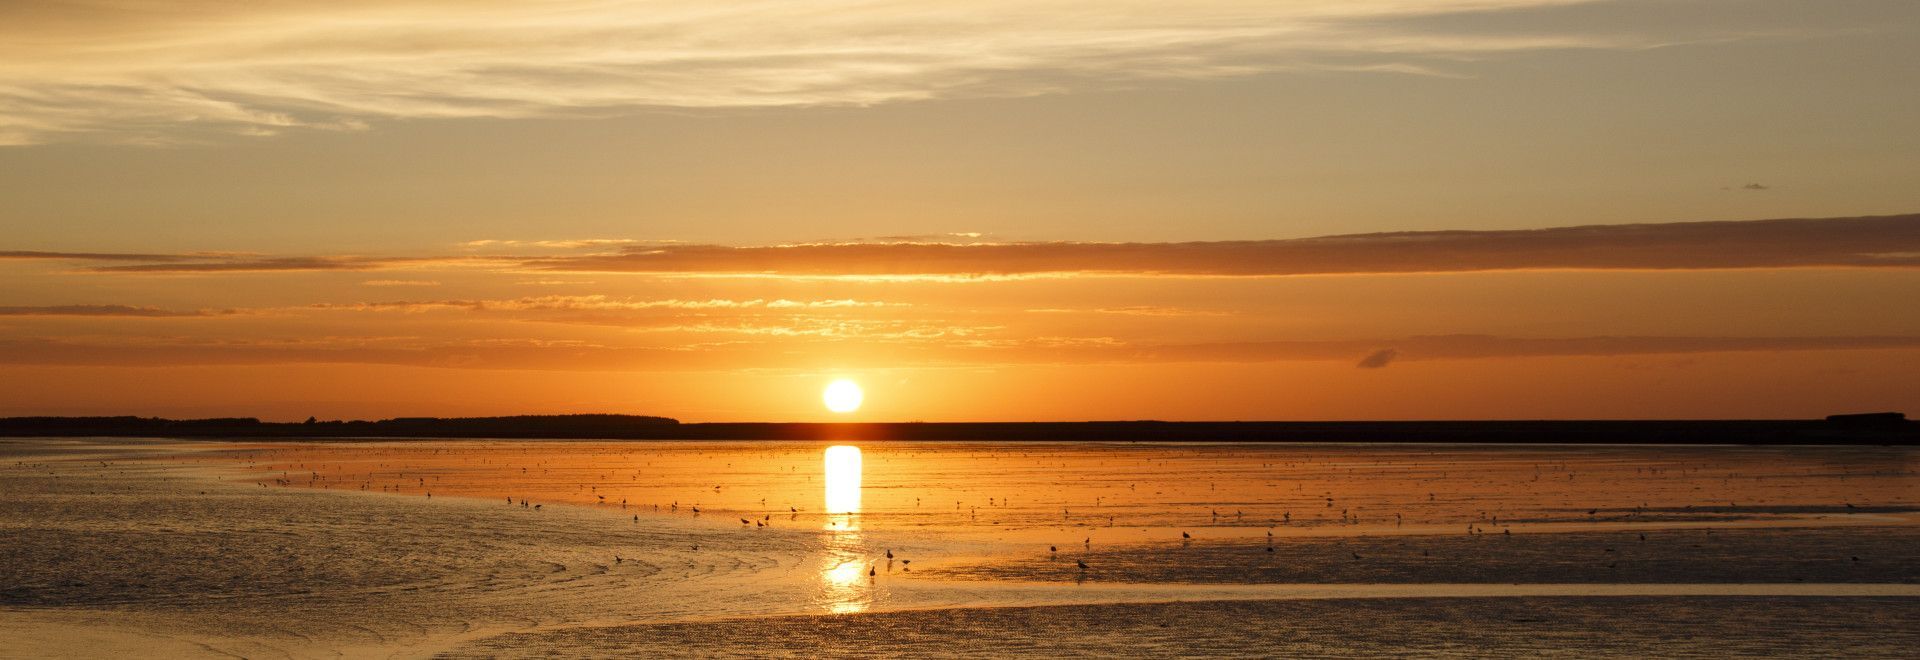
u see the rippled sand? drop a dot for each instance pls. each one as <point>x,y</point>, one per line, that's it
<point>179,548</point>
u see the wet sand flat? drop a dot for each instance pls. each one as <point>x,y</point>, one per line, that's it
<point>1626,627</point>
<point>214,548</point>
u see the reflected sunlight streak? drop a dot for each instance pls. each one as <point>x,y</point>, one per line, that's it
<point>843,479</point>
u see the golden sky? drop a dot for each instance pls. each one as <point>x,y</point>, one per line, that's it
<point>981,211</point>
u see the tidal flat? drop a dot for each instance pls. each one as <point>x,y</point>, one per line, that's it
<point>549,548</point>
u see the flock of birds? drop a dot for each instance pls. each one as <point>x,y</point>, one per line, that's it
<point>1324,504</point>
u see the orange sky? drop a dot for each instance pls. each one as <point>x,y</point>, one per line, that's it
<point>1033,210</point>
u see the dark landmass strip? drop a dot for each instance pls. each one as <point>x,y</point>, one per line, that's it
<point>1873,429</point>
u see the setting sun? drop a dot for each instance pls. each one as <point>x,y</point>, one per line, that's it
<point>842,396</point>
<point>490,328</point>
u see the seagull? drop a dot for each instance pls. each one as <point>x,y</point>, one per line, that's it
<point>1083,564</point>
<point>1185,535</point>
<point>889,553</point>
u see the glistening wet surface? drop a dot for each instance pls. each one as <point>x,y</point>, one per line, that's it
<point>324,548</point>
<point>1623,627</point>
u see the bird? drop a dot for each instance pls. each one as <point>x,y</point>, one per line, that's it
<point>1053,548</point>
<point>1356,555</point>
<point>889,553</point>
<point>870,572</point>
<point>1083,564</point>
<point>1185,535</point>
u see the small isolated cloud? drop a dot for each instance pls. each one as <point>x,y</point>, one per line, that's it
<point>1750,186</point>
<point>400,283</point>
<point>1378,359</point>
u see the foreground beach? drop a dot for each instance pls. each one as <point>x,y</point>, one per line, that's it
<point>421,549</point>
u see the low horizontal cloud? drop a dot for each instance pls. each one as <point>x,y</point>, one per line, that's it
<point>1891,241</point>
<point>275,264</point>
<point>1880,241</point>
<point>90,256</point>
<point>601,303</point>
<point>800,350</point>
<point>98,310</point>
<point>205,265</point>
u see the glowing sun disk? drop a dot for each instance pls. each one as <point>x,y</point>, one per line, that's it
<point>842,396</point>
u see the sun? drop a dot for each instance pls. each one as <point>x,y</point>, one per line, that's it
<point>842,396</point>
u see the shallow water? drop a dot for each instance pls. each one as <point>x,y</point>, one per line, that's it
<point>319,548</point>
<point>1223,489</point>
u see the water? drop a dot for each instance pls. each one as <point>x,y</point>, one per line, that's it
<point>317,548</point>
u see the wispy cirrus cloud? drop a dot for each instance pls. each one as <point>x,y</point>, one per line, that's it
<point>166,72</point>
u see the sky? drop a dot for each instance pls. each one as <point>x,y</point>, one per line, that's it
<point>1050,210</point>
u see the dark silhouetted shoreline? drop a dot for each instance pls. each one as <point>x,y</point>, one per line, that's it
<point>1871,429</point>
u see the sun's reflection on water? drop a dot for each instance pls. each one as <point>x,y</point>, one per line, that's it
<point>845,585</point>
<point>842,466</point>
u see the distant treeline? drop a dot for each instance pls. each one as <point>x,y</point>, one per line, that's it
<point>1874,429</point>
<point>519,426</point>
